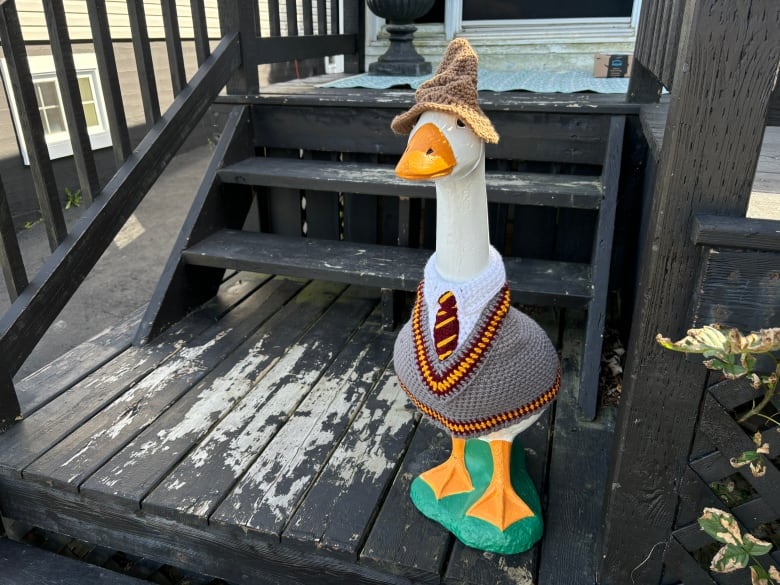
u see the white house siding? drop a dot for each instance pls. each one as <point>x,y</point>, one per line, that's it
<point>34,29</point>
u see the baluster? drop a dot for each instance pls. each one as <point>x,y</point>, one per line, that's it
<point>275,24</point>
<point>173,45</point>
<point>109,80</point>
<point>200,30</point>
<point>62,52</point>
<point>308,18</point>
<point>292,18</point>
<point>143,61</point>
<point>10,256</point>
<point>322,17</point>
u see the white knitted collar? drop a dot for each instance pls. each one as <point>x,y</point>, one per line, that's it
<point>471,295</point>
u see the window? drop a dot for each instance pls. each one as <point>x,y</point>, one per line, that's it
<point>539,21</point>
<point>49,98</point>
<point>515,22</point>
<point>513,10</point>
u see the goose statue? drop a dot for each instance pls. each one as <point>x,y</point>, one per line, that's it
<point>475,365</point>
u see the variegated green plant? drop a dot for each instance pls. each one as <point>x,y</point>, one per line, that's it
<point>735,354</point>
<point>739,550</point>
<point>728,350</point>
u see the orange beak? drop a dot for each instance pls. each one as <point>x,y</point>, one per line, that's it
<point>427,156</point>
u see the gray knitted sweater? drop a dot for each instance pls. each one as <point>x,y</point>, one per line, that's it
<point>505,370</point>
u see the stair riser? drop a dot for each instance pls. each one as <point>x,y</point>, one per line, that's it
<point>527,136</point>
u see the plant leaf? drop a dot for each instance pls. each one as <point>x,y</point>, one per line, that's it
<point>729,558</point>
<point>774,574</point>
<point>745,458</point>
<point>755,547</point>
<point>763,340</point>
<point>721,526</point>
<point>706,339</point>
<point>757,468</point>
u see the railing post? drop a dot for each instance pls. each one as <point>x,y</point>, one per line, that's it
<point>9,403</point>
<point>725,71</point>
<point>354,16</point>
<point>242,17</point>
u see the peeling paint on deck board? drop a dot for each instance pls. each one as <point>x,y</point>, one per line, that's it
<point>71,461</point>
<point>402,540</point>
<point>148,458</point>
<point>210,470</point>
<point>37,433</point>
<point>144,461</point>
<point>337,512</point>
<point>267,496</point>
<point>51,380</point>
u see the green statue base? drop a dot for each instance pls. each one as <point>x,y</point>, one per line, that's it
<point>450,511</point>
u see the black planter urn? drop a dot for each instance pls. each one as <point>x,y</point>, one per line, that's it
<point>401,58</point>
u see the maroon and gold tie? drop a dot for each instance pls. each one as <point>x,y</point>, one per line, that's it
<point>445,329</point>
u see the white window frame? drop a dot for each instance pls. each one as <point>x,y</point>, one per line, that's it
<point>531,31</point>
<point>42,68</point>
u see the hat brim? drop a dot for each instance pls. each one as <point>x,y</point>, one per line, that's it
<point>476,120</point>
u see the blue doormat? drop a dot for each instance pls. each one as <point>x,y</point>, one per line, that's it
<point>535,81</point>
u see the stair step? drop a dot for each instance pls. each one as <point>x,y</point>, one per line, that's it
<point>554,190</point>
<point>543,282</point>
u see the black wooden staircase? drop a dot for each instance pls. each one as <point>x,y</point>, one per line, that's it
<point>304,186</point>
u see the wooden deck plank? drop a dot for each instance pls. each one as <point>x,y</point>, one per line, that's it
<point>147,459</point>
<point>340,507</point>
<point>402,541</point>
<point>268,494</point>
<point>51,380</point>
<point>27,440</point>
<point>197,486</point>
<point>72,460</point>
<point>577,471</point>
<point>551,189</point>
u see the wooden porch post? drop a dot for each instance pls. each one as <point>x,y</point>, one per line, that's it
<point>241,17</point>
<point>726,67</point>
<point>354,23</point>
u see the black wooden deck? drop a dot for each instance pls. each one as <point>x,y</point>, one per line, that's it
<point>264,439</point>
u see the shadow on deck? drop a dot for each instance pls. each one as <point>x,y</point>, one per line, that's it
<point>264,439</point>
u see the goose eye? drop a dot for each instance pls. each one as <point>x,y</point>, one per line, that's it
<point>461,123</point>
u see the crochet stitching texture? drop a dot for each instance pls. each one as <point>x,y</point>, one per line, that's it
<point>518,373</point>
<point>464,361</point>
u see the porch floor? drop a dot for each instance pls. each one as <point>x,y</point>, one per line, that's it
<point>264,439</point>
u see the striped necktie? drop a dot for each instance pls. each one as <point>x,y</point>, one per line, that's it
<point>445,329</point>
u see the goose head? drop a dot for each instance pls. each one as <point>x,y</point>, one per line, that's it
<point>441,145</point>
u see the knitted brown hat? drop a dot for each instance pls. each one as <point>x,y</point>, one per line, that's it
<point>452,89</point>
